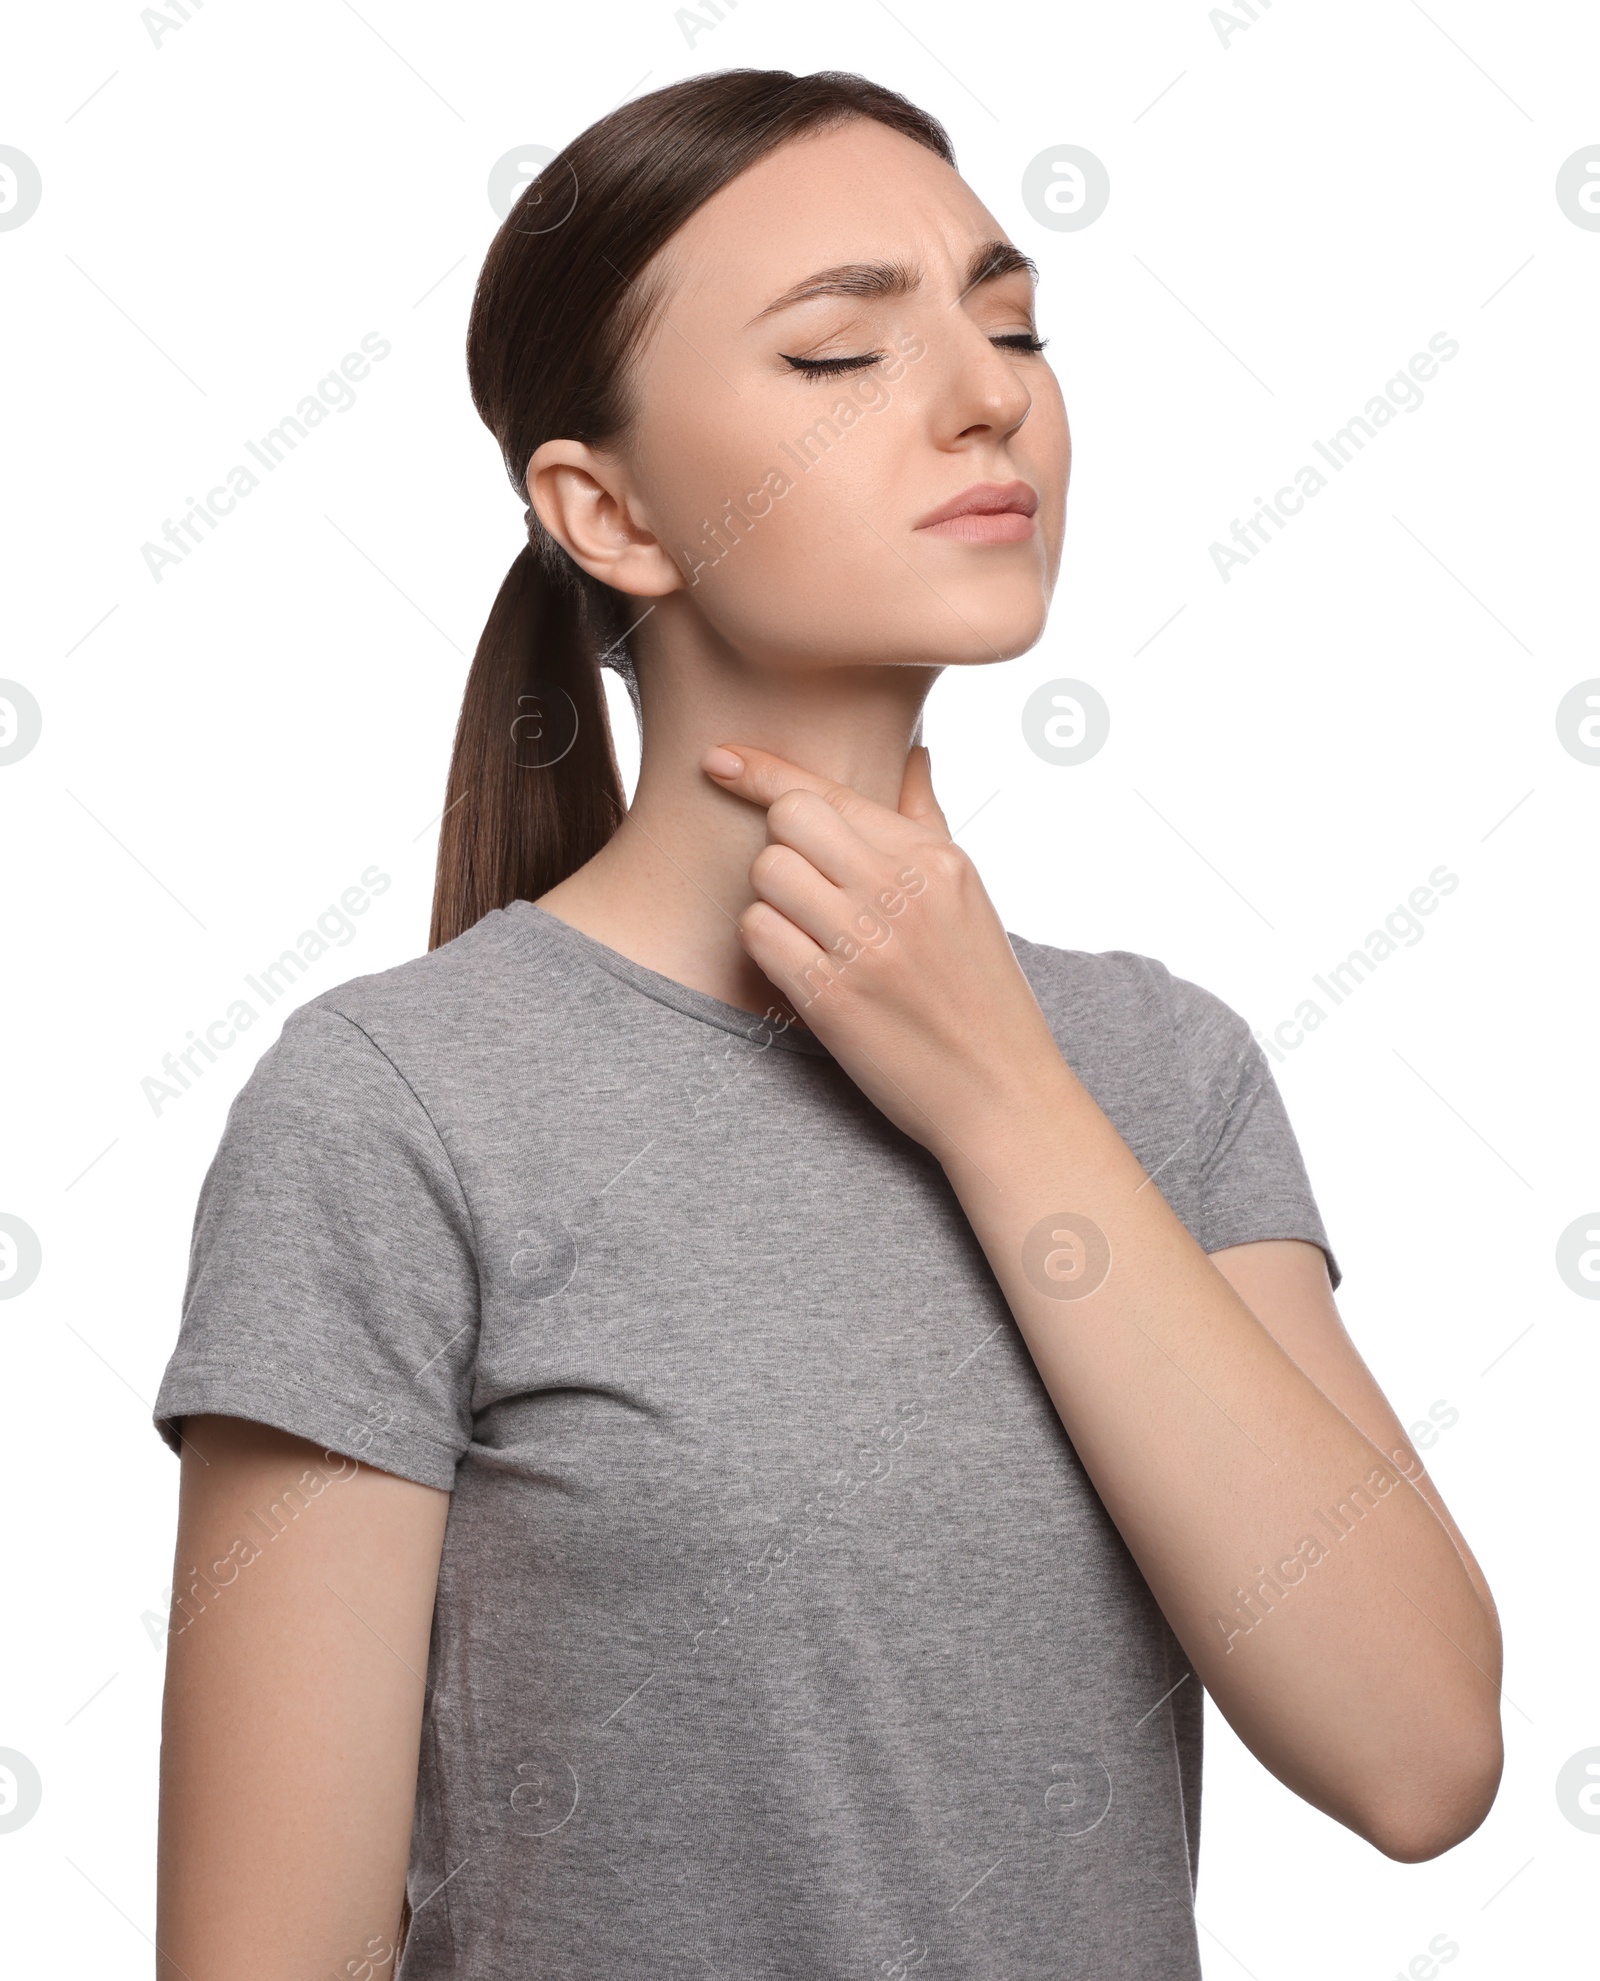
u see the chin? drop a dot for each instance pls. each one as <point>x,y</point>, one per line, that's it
<point>980,631</point>
<point>1006,643</point>
<point>884,623</point>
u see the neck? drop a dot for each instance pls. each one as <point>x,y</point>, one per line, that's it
<point>667,888</point>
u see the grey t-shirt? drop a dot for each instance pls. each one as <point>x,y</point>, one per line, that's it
<point>779,1630</point>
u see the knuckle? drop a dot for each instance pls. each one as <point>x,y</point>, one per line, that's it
<point>785,810</point>
<point>944,863</point>
<point>868,926</point>
<point>768,862</point>
<point>822,977</point>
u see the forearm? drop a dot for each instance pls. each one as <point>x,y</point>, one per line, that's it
<point>1318,1597</point>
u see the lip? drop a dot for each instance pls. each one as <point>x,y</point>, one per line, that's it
<point>988,512</point>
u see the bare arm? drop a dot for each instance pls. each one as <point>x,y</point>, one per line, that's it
<point>1284,1283</point>
<point>296,1663</point>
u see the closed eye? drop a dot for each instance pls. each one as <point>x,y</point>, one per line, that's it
<point>831,367</point>
<point>1018,340</point>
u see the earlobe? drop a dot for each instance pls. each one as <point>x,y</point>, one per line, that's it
<point>582,498</point>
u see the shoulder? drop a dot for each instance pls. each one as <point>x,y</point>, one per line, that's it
<point>434,989</point>
<point>353,1102</point>
<point>384,1047</point>
<point>1152,1047</point>
<point>439,1010</point>
<point>1135,1001</point>
<point>1182,1076</point>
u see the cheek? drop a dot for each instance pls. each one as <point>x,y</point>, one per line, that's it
<point>1043,454</point>
<point>705,481</point>
<point>795,570</point>
<point>771,496</point>
<point>1044,445</point>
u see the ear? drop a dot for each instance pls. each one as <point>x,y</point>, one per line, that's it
<point>583,499</point>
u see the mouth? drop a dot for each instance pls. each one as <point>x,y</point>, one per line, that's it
<point>988,512</point>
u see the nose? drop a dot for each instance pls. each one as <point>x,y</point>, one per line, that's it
<point>985,397</point>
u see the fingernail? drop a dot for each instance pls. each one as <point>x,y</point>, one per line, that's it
<point>721,762</point>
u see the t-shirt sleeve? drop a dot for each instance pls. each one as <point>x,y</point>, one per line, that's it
<point>1253,1180</point>
<point>332,1288</point>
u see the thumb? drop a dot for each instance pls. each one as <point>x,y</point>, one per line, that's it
<point>917,801</point>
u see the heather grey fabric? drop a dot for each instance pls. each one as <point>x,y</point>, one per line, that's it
<point>779,1631</point>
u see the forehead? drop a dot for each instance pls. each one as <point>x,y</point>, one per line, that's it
<point>857,193</point>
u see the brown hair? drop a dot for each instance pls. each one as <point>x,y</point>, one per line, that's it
<point>557,313</point>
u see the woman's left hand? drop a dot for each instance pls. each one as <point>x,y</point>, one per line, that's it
<point>876,926</point>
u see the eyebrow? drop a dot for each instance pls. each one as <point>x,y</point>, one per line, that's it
<point>876,279</point>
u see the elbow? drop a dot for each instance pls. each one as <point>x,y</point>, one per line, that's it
<point>1411,1824</point>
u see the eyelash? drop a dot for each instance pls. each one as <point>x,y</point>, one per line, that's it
<point>1021,340</point>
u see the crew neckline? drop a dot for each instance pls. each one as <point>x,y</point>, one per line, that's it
<point>682,998</point>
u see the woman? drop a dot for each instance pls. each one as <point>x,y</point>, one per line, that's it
<point>729,1410</point>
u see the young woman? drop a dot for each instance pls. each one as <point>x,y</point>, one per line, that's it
<point>730,1410</point>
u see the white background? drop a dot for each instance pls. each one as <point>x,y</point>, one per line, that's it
<point>1295,210</point>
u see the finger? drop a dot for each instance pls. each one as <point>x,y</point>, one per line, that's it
<point>763,777</point>
<point>807,822</point>
<point>785,954</point>
<point>917,801</point>
<point>787,881</point>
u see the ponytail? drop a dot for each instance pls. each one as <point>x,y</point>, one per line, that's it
<point>533,790</point>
